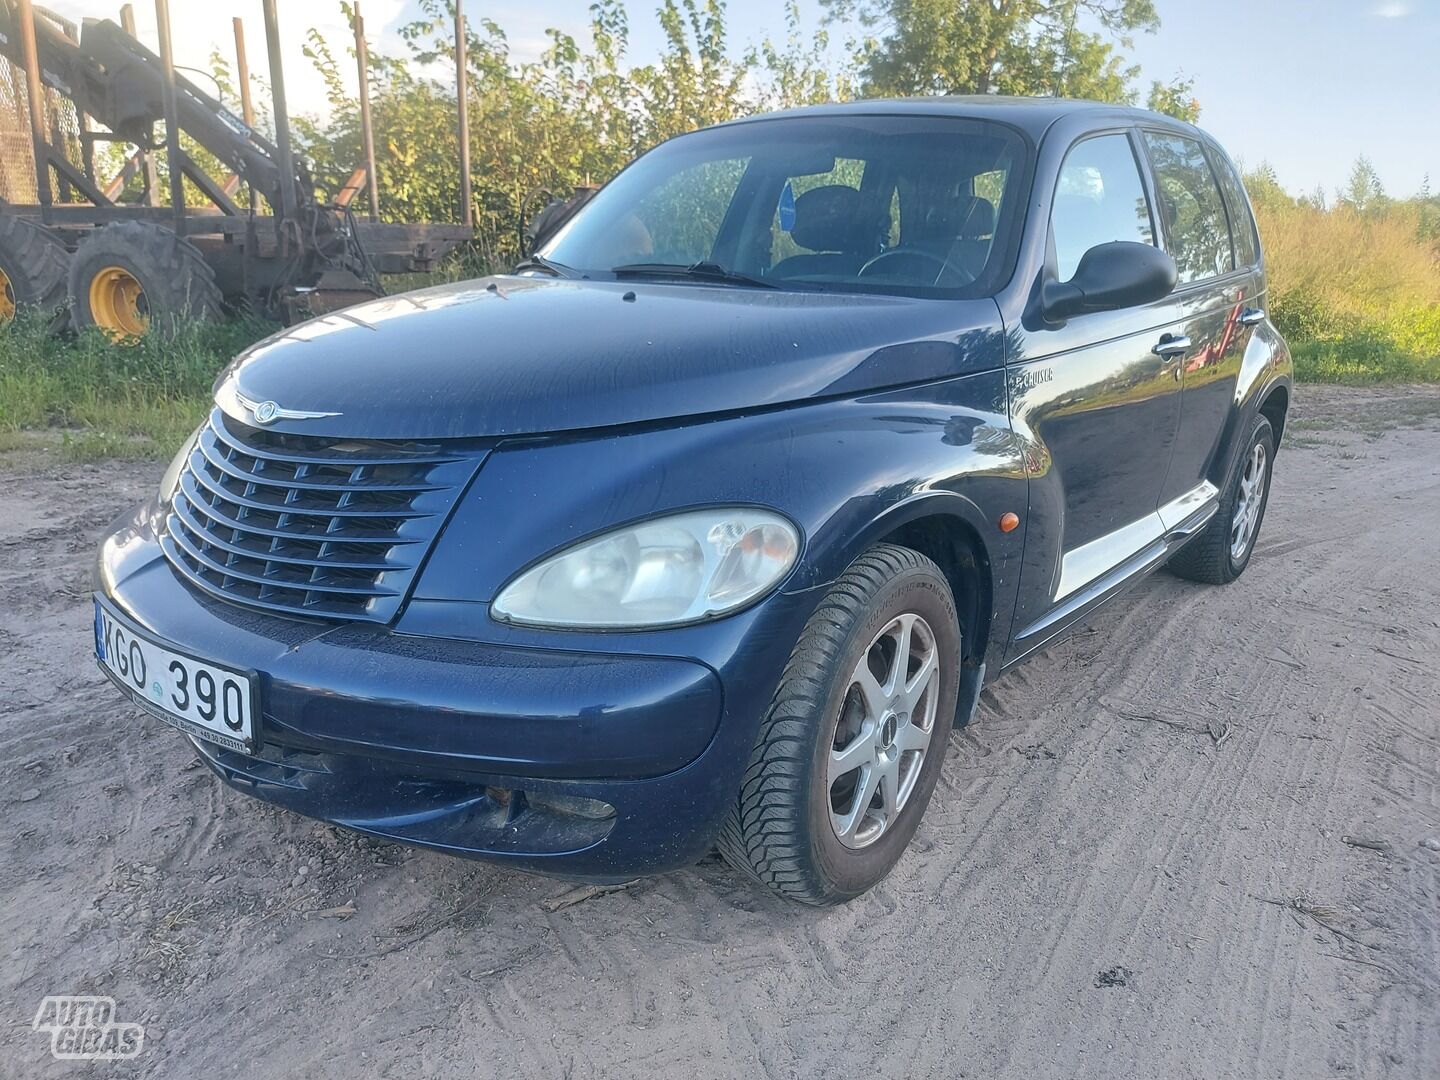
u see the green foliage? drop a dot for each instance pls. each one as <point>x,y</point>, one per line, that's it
<point>1363,191</point>
<point>575,116</point>
<point>1354,287</point>
<point>1175,98</point>
<point>1030,47</point>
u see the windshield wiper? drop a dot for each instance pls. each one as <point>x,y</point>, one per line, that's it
<point>700,271</point>
<point>548,266</point>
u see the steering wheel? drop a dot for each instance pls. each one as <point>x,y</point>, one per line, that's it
<point>941,265</point>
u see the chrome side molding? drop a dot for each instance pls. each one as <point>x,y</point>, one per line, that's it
<point>1180,517</point>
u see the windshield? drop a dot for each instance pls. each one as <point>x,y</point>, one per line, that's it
<point>922,206</point>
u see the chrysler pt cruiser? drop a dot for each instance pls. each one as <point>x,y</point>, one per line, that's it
<point>706,525</point>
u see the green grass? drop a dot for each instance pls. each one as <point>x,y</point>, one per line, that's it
<point>1362,362</point>
<point>100,399</point>
<point>1361,350</point>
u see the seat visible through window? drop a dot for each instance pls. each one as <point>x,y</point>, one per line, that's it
<point>828,222</point>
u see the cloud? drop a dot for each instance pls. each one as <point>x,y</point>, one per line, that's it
<point>1393,9</point>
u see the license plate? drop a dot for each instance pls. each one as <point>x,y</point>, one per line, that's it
<point>201,698</point>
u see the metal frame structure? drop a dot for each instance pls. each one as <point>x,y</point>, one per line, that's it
<point>299,257</point>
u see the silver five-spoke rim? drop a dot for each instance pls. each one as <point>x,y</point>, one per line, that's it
<point>883,731</point>
<point>1247,506</point>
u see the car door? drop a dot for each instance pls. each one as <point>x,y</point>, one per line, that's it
<point>1098,397</point>
<point>1217,300</point>
<point>1213,373</point>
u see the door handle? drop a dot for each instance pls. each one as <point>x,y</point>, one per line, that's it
<point>1250,316</point>
<point>1171,345</point>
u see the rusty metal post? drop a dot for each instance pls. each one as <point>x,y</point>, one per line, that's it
<point>242,73</point>
<point>37,109</point>
<point>367,131</point>
<point>147,159</point>
<point>288,195</point>
<point>172,117</point>
<point>462,95</point>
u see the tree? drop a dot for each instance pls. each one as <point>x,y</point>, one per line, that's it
<point>1263,187</point>
<point>798,72</point>
<point>1175,98</point>
<point>1363,191</point>
<point>1033,47</point>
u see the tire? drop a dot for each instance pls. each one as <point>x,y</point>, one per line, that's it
<point>133,276</point>
<point>33,267</point>
<point>784,829</point>
<point>1209,557</point>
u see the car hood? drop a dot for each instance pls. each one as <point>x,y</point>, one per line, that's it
<point>519,355</point>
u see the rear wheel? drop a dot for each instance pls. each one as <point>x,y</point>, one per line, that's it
<point>131,277</point>
<point>1221,552</point>
<point>850,749</point>
<point>33,265</point>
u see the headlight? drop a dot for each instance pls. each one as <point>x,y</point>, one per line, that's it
<point>681,568</point>
<point>171,480</point>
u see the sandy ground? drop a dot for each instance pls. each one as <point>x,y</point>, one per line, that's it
<point>1200,838</point>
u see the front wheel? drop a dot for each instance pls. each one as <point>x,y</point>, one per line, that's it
<point>849,751</point>
<point>1221,552</point>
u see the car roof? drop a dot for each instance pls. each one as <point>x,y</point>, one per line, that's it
<point>1031,115</point>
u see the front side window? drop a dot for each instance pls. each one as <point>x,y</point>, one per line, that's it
<point>1098,199</point>
<point>910,205</point>
<point>1196,230</point>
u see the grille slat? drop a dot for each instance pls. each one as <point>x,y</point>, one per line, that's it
<point>296,482</point>
<point>185,513</point>
<point>229,522</point>
<point>304,579</point>
<point>289,503</point>
<point>310,525</point>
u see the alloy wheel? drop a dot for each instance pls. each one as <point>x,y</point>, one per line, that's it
<point>882,733</point>
<point>1247,506</point>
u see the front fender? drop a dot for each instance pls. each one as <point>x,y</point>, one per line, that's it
<point>847,472</point>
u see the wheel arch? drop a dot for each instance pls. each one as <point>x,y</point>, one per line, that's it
<point>944,526</point>
<point>954,546</point>
<point>1274,406</point>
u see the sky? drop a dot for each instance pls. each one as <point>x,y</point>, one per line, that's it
<point>1306,85</point>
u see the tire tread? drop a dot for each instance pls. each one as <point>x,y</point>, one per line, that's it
<point>761,836</point>
<point>37,263</point>
<point>172,270</point>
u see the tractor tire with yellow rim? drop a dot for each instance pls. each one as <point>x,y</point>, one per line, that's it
<point>33,264</point>
<point>133,276</point>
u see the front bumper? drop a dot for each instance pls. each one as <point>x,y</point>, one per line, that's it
<point>585,764</point>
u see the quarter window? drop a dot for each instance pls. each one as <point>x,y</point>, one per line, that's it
<point>1196,231</point>
<point>1242,223</point>
<point>1099,198</point>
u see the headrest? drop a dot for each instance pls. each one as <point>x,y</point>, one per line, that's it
<point>828,219</point>
<point>964,217</point>
<point>978,219</point>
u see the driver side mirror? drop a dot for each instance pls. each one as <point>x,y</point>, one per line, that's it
<point>1119,274</point>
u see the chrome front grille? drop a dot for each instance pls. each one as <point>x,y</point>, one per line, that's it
<point>310,525</point>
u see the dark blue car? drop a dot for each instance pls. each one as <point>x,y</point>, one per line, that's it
<point>708,525</point>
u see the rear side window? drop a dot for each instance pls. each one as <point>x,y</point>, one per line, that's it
<point>1196,230</point>
<point>1242,224</point>
<point>1099,198</point>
